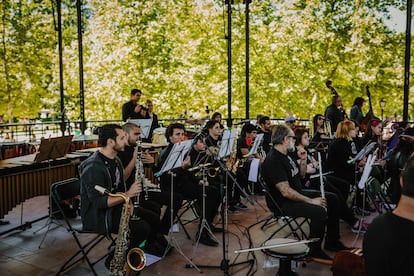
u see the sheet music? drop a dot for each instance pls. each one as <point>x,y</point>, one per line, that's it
<point>176,156</point>
<point>144,124</point>
<point>257,142</point>
<point>367,171</point>
<point>254,170</point>
<point>227,142</point>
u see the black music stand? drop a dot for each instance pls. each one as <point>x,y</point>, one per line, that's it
<point>225,150</point>
<point>51,149</point>
<point>174,160</point>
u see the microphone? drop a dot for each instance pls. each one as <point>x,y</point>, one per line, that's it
<point>102,190</point>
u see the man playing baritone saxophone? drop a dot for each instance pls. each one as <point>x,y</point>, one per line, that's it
<point>151,200</point>
<point>102,213</point>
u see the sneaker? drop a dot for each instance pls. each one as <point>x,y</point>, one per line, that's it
<point>240,206</point>
<point>335,246</point>
<point>360,227</point>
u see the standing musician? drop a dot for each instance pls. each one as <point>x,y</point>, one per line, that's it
<point>150,112</point>
<point>282,174</point>
<point>102,213</point>
<point>356,110</point>
<point>184,185</point>
<point>150,200</point>
<point>335,112</point>
<point>131,109</point>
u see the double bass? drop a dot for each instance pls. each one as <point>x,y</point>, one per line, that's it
<point>370,114</point>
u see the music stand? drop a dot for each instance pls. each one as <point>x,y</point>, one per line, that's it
<point>224,151</point>
<point>51,149</point>
<point>145,126</point>
<point>174,160</point>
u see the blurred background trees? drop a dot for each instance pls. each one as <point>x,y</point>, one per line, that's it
<point>176,53</point>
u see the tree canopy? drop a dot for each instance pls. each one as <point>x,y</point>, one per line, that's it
<point>176,53</point>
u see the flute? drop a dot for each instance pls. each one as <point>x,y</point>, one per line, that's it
<point>322,185</point>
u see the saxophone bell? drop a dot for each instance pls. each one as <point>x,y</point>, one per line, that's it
<point>136,259</point>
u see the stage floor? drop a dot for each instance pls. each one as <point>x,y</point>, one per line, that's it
<point>20,253</point>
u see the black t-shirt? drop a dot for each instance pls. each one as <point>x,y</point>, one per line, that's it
<point>389,246</point>
<point>340,151</point>
<point>126,157</point>
<point>267,140</point>
<point>114,170</point>
<point>277,168</point>
<point>241,144</point>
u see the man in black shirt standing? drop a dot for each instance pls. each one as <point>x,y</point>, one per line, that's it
<point>131,109</point>
<point>282,175</point>
<point>335,113</point>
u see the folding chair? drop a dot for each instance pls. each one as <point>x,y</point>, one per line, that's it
<point>278,215</point>
<point>188,205</point>
<point>66,190</point>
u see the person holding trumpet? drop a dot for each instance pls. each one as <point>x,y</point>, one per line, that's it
<point>282,175</point>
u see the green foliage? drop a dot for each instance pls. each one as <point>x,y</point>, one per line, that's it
<point>176,52</point>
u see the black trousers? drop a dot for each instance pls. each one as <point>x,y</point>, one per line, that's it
<point>319,217</point>
<point>164,198</point>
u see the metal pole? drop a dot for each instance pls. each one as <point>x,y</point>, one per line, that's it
<point>80,53</point>
<point>229,119</point>
<point>407,61</point>
<point>247,2</point>
<point>62,103</point>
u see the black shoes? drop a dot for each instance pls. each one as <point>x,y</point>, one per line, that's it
<point>155,248</point>
<point>335,246</point>
<point>215,229</point>
<point>109,259</point>
<point>206,239</point>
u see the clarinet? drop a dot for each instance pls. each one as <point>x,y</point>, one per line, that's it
<point>139,175</point>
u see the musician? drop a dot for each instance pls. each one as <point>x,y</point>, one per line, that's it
<point>155,199</point>
<point>335,112</point>
<point>244,143</point>
<point>150,107</point>
<point>266,129</point>
<point>373,133</point>
<point>388,244</point>
<point>102,213</point>
<point>318,128</point>
<point>217,117</point>
<point>184,186</point>
<point>282,175</point>
<point>356,110</point>
<point>131,109</point>
<point>313,168</point>
<point>290,121</point>
<point>402,151</point>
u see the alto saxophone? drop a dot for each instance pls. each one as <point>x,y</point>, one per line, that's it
<point>123,261</point>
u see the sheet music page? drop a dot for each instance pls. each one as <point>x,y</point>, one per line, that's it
<point>254,169</point>
<point>144,124</point>
<point>227,143</point>
<point>256,144</point>
<point>176,156</point>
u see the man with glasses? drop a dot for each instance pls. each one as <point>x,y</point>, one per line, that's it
<point>282,175</point>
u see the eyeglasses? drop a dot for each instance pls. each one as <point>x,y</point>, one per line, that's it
<point>293,137</point>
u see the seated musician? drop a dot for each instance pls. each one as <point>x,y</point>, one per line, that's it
<point>216,117</point>
<point>282,175</point>
<point>150,201</point>
<point>388,244</point>
<point>313,168</point>
<point>102,213</point>
<point>266,129</point>
<point>244,143</point>
<point>184,185</point>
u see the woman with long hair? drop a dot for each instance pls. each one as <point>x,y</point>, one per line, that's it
<point>302,143</point>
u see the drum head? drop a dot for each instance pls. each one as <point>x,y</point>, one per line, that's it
<point>285,250</point>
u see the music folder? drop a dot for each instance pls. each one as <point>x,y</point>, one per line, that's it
<point>52,148</point>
